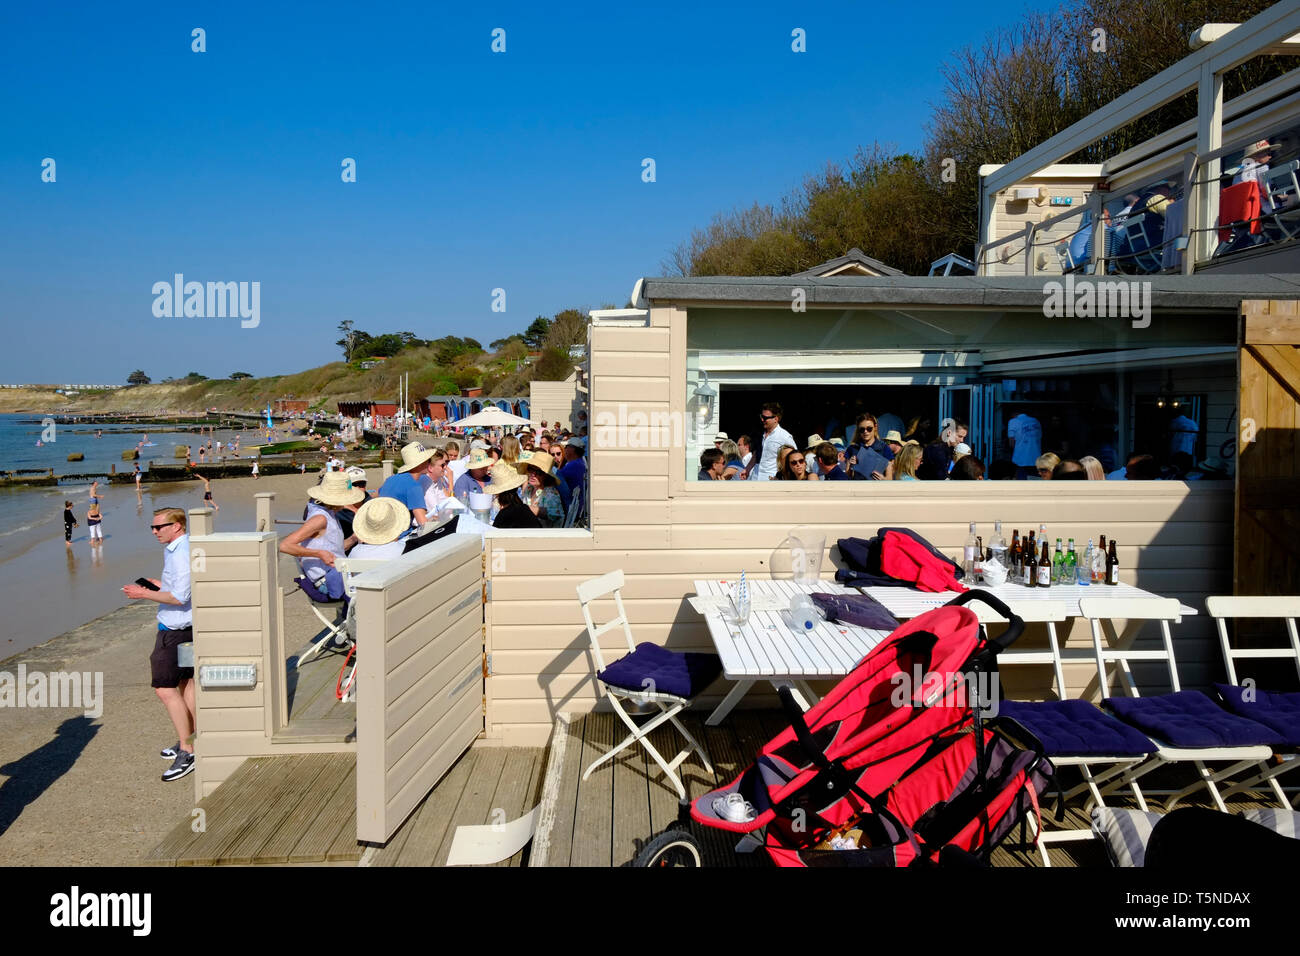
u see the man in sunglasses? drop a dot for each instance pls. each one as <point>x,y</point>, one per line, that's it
<point>173,684</point>
<point>774,439</point>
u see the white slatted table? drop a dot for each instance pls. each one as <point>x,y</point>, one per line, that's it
<point>768,648</point>
<point>906,603</point>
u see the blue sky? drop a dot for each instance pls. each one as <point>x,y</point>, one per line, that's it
<point>475,170</point>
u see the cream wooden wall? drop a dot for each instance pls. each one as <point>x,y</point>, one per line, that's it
<point>1010,215</point>
<point>664,532</point>
<point>419,677</point>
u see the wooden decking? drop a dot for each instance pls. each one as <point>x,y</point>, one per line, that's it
<point>605,820</point>
<point>303,810</point>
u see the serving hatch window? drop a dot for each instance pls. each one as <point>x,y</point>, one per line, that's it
<point>1013,387</point>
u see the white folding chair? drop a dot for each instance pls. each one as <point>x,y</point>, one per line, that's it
<point>1282,190</point>
<point>350,568</point>
<point>335,628</point>
<point>1051,613</point>
<point>670,705</point>
<point>1169,750</point>
<point>1287,609</point>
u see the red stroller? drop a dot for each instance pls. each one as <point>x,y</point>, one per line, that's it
<point>902,764</point>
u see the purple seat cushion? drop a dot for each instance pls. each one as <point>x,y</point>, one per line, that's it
<point>1189,718</point>
<point>1280,711</point>
<point>1075,728</point>
<point>654,669</point>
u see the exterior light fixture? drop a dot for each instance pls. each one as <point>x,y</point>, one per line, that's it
<point>227,675</point>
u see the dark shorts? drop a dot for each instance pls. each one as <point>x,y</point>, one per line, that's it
<point>162,662</point>
<point>207,496</point>
<point>67,532</point>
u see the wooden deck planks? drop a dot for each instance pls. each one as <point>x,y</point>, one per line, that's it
<point>337,814</point>
<point>593,820</point>
<point>513,796</point>
<point>533,796</point>
<point>417,841</point>
<point>222,802</point>
<point>295,806</point>
<point>632,775</point>
<point>224,830</point>
<point>553,843</point>
<point>476,802</point>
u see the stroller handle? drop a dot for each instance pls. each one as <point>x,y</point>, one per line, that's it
<point>1015,624</point>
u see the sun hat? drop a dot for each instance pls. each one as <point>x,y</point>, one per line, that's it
<point>721,436</point>
<point>478,444</point>
<point>504,477</point>
<point>892,435</point>
<point>413,456</point>
<point>838,443</point>
<point>1263,146</point>
<point>539,460</point>
<point>380,520</point>
<point>336,489</point>
<point>356,474</point>
<point>478,459</point>
<point>960,451</point>
<point>814,440</point>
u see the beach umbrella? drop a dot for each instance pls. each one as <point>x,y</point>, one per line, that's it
<point>492,417</point>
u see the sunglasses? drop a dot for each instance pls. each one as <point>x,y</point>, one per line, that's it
<point>868,428</point>
<point>767,418</point>
<point>155,527</point>
<point>794,461</point>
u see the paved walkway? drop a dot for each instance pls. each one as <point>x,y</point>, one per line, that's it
<point>80,791</point>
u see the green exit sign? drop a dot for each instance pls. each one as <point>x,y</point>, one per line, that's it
<point>1062,200</point>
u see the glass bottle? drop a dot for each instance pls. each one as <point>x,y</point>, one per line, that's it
<point>1085,565</point>
<point>1044,568</point>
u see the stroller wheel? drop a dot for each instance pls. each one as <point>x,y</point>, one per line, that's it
<point>673,847</point>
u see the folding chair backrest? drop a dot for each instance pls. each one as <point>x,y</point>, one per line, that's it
<point>1281,185</point>
<point>1222,607</point>
<point>1239,203</point>
<point>1163,610</point>
<point>593,590</point>
<point>1050,613</point>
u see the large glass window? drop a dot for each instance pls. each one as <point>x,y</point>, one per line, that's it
<point>1019,385</point>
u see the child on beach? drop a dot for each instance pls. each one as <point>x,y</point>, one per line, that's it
<point>207,492</point>
<point>255,475</point>
<point>93,519</point>
<point>69,522</point>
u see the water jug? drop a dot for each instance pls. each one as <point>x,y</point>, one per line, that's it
<point>806,548</point>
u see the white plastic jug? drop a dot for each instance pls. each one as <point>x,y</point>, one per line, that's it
<point>806,548</point>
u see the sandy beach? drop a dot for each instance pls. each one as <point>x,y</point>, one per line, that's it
<point>48,589</point>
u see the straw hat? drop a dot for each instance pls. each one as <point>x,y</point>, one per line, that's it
<point>721,436</point>
<point>961,451</point>
<point>381,520</point>
<point>1263,146</point>
<point>504,477</point>
<point>814,440</point>
<point>413,456</point>
<point>335,489</point>
<point>892,435</point>
<point>478,459</point>
<point>539,460</point>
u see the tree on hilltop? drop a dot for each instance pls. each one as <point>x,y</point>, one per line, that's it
<point>137,378</point>
<point>536,332</point>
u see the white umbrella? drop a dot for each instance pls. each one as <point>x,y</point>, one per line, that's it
<point>491,417</point>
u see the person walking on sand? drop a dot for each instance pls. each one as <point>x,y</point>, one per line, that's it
<point>137,477</point>
<point>69,522</point>
<point>94,492</point>
<point>93,520</point>
<point>207,492</point>
<point>173,684</point>
<point>255,474</point>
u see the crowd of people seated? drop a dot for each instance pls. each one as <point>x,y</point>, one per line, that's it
<point>530,477</point>
<point>870,451</point>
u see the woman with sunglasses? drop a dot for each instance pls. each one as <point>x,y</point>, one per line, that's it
<point>796,467</point>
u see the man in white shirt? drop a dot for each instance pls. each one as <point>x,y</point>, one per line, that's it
<point>1026,435</point>
<point>746,450</point>
<point>774,438</point>
<point>173,684</point>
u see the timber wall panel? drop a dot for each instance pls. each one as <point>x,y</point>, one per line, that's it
<point>1174,538</point>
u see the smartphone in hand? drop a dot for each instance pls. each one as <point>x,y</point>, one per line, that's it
<point>146,583</point>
